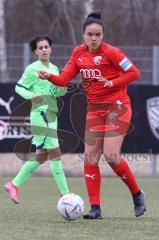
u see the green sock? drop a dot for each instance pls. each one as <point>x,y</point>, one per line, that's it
<point>59,176</point>
<point>25,172</point>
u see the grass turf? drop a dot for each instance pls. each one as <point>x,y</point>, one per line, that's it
<point>37,218</point>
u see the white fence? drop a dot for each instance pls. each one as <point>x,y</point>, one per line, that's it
<point>19,55</point>
<point>142,165</point>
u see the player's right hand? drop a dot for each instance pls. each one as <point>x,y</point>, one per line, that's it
<point>36,98</point>
<point>43,75</point>
<point>107,83</point>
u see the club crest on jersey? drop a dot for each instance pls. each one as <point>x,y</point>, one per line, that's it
<point>152,109</point>
<point>97,60</point>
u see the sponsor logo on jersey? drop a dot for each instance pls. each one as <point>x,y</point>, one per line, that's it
<point>90,73</point>
<point>80,60</point>
<point>152,109</point>
<point>97,60</point>
<point>125,64</point>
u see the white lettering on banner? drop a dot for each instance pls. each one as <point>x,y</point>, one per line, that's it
<point>90,73</point>
<point>3,129</point>
<point>15,129</point>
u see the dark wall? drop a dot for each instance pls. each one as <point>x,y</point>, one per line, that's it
<point>145,105</point>
<point>14,128</point>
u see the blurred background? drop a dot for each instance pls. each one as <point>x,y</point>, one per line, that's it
<point>130,25</point>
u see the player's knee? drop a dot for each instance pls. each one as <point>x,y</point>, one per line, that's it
<point>41,157</point>
<point>91,158</point>
<point>54,154</point>
<point>113,159</point>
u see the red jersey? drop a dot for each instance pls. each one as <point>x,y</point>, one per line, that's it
<point>108,62</point>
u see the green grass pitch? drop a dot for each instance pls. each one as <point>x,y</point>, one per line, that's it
<point>36,218</point>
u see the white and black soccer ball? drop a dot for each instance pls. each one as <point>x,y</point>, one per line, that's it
<point>70,206</point>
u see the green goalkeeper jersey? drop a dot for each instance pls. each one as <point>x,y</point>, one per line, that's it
<point>30,84</point>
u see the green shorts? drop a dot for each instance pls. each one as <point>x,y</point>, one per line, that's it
<point>44,129</point>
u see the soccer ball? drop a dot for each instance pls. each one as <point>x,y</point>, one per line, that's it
<point>70,206</point>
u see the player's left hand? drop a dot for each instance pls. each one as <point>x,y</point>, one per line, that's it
<point>43,75</point>
<point>107,83</point>
<point>64,89</point>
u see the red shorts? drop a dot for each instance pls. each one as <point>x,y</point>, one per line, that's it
<point>107,117</point>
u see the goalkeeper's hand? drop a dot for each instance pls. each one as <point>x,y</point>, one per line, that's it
<point>44,75</point>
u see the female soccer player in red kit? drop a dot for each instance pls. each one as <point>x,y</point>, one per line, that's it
<point>105,72</point>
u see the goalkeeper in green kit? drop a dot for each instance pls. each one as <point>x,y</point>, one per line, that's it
<point>43,118</point>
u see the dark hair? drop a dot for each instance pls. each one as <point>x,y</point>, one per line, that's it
<point>94,17</point>
<point>34,41</point>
